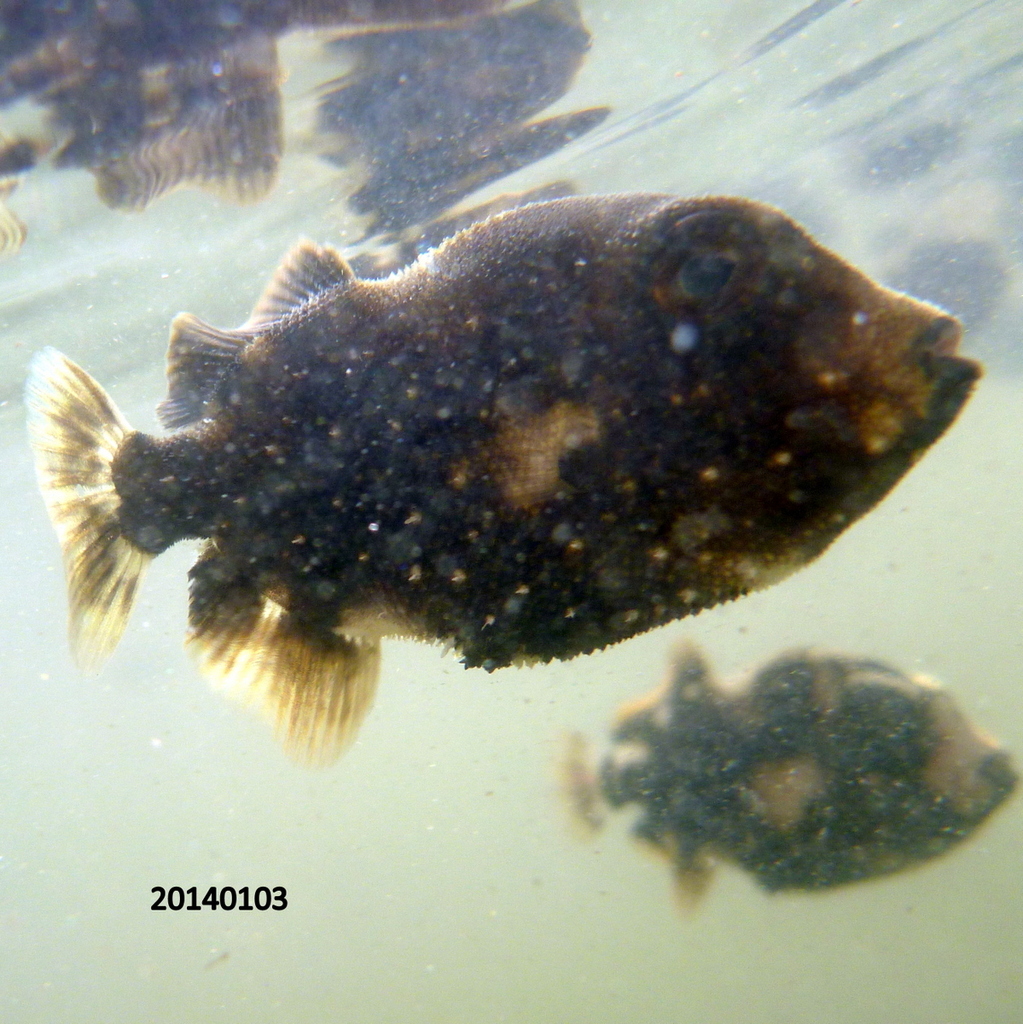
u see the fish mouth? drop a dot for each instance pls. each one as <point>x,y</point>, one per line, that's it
<point>948,381</point>
<point>942,383</point>
<point>952,376</point>
<point>940,337</point>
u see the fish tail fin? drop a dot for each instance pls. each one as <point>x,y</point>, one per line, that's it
<point>76,431</point>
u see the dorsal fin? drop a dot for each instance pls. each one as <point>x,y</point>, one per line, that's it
<point>197,355</point>
<point>307,271</point>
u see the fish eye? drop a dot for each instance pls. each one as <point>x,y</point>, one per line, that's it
<point>709,258</point>
<point>704,275</point>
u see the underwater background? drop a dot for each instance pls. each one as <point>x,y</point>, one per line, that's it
<point>433,874</point>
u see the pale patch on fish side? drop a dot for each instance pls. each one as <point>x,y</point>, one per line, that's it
<point>782,791</point>
<point>527,451</point>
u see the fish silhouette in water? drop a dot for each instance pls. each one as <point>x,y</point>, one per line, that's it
<point>823,769</point>
<point>568,424</point>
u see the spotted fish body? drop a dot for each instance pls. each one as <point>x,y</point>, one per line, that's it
<point>568,424</point>
<point>823,769</point>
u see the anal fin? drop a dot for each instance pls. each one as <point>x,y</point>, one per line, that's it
<point>315,688</point>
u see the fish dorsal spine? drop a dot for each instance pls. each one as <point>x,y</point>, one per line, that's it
<point>306,272</point>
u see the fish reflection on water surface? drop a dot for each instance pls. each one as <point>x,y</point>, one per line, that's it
<point>438,98</point>
<point>434,114</point>
<point>567,425</point>
<point>822,769</point>
<point>150,97</point>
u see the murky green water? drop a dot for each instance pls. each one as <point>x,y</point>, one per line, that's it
<point>432,875</point>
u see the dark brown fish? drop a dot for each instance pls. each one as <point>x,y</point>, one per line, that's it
<point>384,258</point>
<point>568,424</point>
<point>824,769</point>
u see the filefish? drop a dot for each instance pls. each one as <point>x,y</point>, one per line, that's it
<point>566,425</point>
<point>823,769</point>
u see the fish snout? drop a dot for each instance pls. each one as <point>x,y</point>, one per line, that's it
<point>940,337</point>
<point>949,377</point>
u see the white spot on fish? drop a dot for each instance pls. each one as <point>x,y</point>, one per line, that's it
<point>684,337</point>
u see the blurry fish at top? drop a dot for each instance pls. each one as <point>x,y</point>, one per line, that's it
<point>819,770</point>
<point>150,97</point>
<point>568,424</point>
<point>436,113</point>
